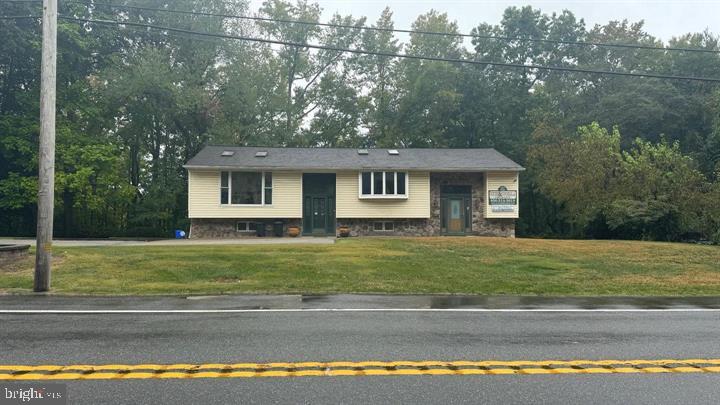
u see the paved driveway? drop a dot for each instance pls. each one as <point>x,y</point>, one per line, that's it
<point>175,242</point>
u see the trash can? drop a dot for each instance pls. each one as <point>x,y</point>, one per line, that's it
<point>179,234</point>
<point>278,228</point>
<point>260,229</point>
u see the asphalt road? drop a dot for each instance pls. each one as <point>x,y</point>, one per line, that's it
<point>132,338</point>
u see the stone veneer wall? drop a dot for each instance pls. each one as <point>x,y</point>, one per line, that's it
<point>403,227</point>
<point>431,227</point>
<point>224,228</point>
<point>504,227</point>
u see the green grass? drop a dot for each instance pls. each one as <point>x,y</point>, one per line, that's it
<point>380,265</point>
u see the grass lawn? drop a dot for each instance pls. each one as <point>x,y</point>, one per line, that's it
<point>385,265</point>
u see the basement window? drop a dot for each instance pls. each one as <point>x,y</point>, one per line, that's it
<point>246,226</point>
<point>383,226</point>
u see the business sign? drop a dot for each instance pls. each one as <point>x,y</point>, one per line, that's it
<point>502,199</point>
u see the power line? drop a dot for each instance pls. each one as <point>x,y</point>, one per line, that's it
<point>404,31</point>
<point>388,54</point>
<point>18,17</point>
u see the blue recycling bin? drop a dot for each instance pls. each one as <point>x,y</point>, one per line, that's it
<point>179,234</point>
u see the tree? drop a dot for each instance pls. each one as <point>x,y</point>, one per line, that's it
<point>134,104</point>
<point>380,75</point>
<point>427,91</point>
<point>579,172</point>
<point>651,191</point>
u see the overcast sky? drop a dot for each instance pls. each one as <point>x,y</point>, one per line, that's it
<point>663,19</point>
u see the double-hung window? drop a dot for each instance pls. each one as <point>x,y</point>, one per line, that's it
<point>382,184</point>
<point>246,188</point>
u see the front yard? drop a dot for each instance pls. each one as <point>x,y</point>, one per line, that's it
<point>488,266</point>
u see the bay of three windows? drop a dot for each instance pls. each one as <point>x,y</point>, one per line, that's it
<point>246,188</point>
<point>381,183</point>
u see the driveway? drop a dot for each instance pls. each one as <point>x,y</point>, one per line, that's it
<point>175,242</point>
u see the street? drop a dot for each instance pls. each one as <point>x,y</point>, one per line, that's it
<point>376,334</point>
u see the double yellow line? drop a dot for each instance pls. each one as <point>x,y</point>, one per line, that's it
<point>349,368</point>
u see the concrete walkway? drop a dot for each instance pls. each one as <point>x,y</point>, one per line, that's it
<point>176,242</point>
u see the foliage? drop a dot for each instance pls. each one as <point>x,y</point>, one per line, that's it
<point>135,104</point>
<point>650,191</point>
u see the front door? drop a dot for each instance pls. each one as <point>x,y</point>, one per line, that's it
<point>319,214</point>
<point>455,210</point>
<point>456,217</point>
<point>318,204</point>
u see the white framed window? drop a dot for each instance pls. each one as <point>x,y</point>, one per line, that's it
<point>267,188</point>
<point>246,226</point>
<point>383,184</point>
<point>224,187</point>
<point>246,188</point>
<point>383,226</point>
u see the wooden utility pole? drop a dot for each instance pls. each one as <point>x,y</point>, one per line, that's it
<point>46,156</point>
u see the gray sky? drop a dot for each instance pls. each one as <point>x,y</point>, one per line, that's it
<point>663,19</point>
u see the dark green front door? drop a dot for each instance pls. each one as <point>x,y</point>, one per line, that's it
<point>318,204</point>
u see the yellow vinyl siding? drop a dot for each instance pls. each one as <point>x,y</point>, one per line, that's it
<point>349,205</point>
<point>204,197</point>
<point>496,179</point>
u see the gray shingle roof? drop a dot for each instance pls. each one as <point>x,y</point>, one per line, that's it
<point>346,158</point>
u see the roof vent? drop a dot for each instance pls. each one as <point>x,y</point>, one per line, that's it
<point>362,151</point>
<point>261,154</point>
<point>393,152</point>
<point>227,153</point>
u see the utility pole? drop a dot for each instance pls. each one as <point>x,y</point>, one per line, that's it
<point>46,155</point>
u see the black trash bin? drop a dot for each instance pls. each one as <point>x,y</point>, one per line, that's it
<point>260,229</point>
<point>278,228</point>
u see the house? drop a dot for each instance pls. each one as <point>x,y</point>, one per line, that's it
<point>408,192</point>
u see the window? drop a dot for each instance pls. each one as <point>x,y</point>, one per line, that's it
<point>268,188</point>
<point>246,226</point>
<point>383,184</point>
<point>383,226</point>
<point>389,182</point>
<point>366,182</point>
<point>224,187</point>
<point>246,188</point>
<point>401,183</point>
<point>378,183</point>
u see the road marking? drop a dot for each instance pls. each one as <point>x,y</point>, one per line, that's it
<point>242,311</point>
<point>350,368</point>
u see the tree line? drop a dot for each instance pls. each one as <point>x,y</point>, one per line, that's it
<point>607,156</point>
